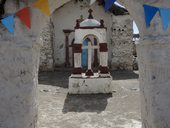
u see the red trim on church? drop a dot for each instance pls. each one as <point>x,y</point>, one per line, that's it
<point>103,47</point>
<point>77,48</point>
<point>89,73</point>
<point>104,70</point>
<point>77,71</point>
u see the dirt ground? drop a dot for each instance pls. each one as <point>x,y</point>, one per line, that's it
<point>57,109</point>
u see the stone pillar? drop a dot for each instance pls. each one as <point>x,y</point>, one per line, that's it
<point>77,48</point>
<point>89,71</point>
<point>154,62</point>
<point>67,32</point>
<point>95,62</point>
<point>18,80</point>
<point>154,65</point>
<point>103,59</point>
<point>19,62</point>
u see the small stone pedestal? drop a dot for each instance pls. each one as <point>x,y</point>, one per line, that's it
<point>93,85</point>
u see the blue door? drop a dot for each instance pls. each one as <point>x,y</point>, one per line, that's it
<point>85,54</point>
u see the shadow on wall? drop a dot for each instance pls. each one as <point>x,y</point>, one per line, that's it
<point>86,103</point>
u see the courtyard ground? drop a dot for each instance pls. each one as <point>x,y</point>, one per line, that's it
<point>57,109</point>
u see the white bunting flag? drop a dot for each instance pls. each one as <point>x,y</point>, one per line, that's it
<point>92,2</point>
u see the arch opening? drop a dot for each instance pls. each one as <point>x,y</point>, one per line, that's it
<point>69,104</point>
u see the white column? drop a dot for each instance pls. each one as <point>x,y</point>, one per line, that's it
<point>90,48</point>
<point>154,65</point>
<point>18,83</point>
<point>89,56</point>
<point>104,59</point>
<point>77,60</point>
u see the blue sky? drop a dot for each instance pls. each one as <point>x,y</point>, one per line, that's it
<point>135,28</point>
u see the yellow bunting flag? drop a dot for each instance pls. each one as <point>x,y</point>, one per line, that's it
<point>43,6</point>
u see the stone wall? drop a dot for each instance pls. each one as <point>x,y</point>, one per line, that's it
<point>46,54</point>
<point>122,46</point>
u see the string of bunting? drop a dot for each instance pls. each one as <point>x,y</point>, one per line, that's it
<point>150,12</point>
<point>108,4</point>
<point>43,6</point>
<point>24,15</point>
<point>92,2</point>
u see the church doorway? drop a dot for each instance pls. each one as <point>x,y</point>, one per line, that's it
<point>85,53</point>
<point>90,52</point>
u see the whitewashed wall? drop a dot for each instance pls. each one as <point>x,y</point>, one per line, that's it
<point>65,18</point>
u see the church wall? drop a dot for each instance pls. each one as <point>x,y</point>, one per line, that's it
<point>120,43</point>
<point>66,18</point>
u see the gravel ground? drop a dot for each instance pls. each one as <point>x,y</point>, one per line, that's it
<point>57,109</point>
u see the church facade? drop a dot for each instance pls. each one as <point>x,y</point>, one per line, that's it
<point>58,36</point>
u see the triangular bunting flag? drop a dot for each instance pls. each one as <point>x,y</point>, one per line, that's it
<point>24,16</point>
<point>149,13</point>
<point>92,2</point>
<point>165,16</point>
<point>8,22</point>
<point>108,4</point>
<point>43,5</point>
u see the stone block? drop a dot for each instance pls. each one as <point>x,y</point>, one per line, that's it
<point>90,85</point>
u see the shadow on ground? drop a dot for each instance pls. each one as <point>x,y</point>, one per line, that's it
<point>86,103</point>
<point>60,78</point>
<point>57,78</point>
<point>124,75</point>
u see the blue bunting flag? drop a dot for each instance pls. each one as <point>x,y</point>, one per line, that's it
<point>8,22</point>
<point>149,13</point>
<point>108,4</point>
<point>165,16</point>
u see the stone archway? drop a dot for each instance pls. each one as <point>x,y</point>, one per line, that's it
<point>153,67</point>
<point>19,68</point>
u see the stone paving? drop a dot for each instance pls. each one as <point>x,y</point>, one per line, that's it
<point>57,109</point>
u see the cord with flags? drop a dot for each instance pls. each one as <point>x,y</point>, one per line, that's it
<point>24,15</point>
<point>43,6</point>
<point>150,12</point>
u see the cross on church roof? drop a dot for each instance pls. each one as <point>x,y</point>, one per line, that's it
<point>90,14</point>
<point>89,23</point>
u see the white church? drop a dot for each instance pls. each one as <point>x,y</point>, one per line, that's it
<point>58,36</point>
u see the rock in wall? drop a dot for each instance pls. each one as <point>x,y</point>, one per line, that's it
<point>121,46</point>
